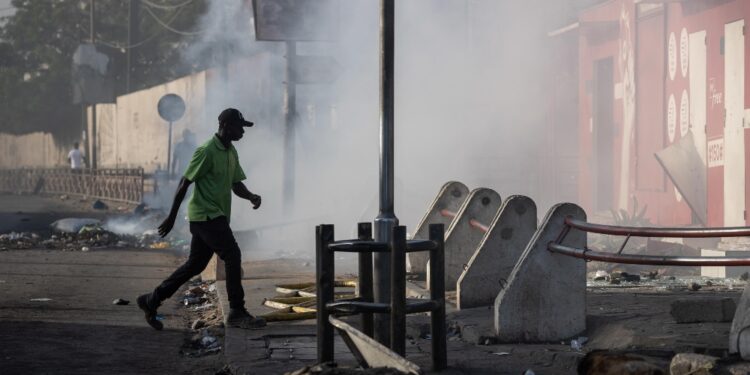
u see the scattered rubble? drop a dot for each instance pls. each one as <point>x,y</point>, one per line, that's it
<point>85,234</point>
<point>120,301</point>
<point>331,368</point>
<point>201,303</point>
<point>99,205</point>
<point>692,364</point>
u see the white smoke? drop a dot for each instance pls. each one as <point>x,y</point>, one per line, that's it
<point>469,106</point>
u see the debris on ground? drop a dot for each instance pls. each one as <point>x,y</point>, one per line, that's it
<point>205,319</point>
<point>40,299</point>
<point>85,234</point>
<point>693,364</point>
<point>120,301</point>
<point>99,205</point>
<point>577,344</point>
<point>331,368</point>
<point>73,224</point>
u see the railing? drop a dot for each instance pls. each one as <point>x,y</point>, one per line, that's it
<point>399,305</point>
<point>124,185</point>
<point>594,255</point>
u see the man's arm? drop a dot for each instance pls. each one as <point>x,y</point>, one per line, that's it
<point>168,223</point>
<point>241,191</point>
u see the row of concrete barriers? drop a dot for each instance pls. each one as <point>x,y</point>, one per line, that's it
<point>495,255</point>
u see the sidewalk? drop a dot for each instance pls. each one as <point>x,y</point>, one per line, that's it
<point>288,346</point>
<point>281,346</point>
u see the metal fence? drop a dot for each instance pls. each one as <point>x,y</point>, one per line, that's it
<point>124,185</point>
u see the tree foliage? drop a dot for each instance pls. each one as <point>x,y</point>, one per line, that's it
<point>36,55</point>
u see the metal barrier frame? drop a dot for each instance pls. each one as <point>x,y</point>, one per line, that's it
<point>593,255</point>
<point>399,305</point>
<point>115,184</point>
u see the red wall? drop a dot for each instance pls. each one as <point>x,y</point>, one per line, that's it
<point>649,33</point>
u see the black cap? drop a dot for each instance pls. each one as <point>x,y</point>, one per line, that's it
<point>234,117</point>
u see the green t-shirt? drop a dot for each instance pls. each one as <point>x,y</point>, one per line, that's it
<point>213,169</point>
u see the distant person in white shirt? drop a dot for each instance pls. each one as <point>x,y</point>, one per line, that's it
<point>76,157</point>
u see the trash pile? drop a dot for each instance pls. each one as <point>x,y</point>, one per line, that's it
<point>201,302</point>
<point>84,234</point>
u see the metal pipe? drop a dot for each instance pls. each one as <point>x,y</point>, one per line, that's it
<point>324,275</point>
<point>364,231</point>
<point>657,232</point>
<point>398,290</point>
<point>476,224</point>
<point>473,222</point>
<point>653,260</point>
<point>386,219</point>
<point>437,294</point>
<point>447,213</point>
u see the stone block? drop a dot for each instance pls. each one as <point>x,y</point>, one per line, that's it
<point>692,364</point>
<point>214,270</point>
<point>701,310</point>
<point>451,197</point>
<point>490,265</point>
<point>545,298</point>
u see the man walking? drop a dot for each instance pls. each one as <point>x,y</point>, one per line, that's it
<point>75,156</point>
<point>216,172</point>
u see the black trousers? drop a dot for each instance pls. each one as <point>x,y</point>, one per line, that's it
<point>208,237</point>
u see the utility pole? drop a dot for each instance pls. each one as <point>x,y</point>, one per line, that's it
<point>290,118</point>
<point>94,139</point>
<point>134,36</point>
<point>386,219</point>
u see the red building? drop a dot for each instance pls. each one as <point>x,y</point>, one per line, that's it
<point>661,108</point>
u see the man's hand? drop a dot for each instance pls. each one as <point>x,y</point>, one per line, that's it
<point>166,226</point>
<point>255,200</point>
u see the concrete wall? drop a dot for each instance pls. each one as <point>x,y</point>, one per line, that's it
<point>130,133</point>
<point>32,150</point>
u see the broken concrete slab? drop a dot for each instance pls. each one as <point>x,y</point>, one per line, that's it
<point>545,299</point>
<point>701,310</point>
<point>462,237</point>
<point>497,253</point>
<point>451,197</point>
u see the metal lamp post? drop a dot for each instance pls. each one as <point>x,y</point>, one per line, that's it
<point>386,219</point>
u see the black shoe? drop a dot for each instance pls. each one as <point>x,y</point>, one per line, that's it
<point>146,303</point>
<point>242,319</point>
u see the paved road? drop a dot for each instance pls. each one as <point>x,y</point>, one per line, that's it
<point>35,213</point>
<point>80,331</point>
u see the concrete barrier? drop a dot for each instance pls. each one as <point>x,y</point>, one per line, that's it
<point>497,253</point>
<point>463,236</point>
<point>739,334</point>
<point>451,196</point>
<point>545,299</point>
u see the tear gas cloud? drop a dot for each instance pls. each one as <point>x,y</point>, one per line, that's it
<point>469,106</point>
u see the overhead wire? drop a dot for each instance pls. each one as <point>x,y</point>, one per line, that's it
<point>166,6</point>
<point>144,41</point>
<point>170,28</point>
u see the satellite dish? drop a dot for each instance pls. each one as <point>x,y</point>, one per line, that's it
<point>171,107</point>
